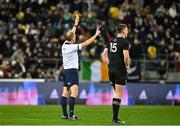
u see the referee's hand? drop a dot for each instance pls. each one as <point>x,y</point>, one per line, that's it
<point>76,20</point>
<point>98,30</point>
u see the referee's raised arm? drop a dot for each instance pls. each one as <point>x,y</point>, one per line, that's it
<point>75,24</point>
<point>104,56</point>
<point>90,40</point>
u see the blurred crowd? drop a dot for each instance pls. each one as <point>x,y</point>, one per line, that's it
<point>33,31</point>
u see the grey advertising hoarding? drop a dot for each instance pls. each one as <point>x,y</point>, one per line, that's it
<point>32,93</point>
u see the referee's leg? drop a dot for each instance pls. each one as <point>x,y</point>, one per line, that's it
<point>72,100</point>
<point>65,94</point>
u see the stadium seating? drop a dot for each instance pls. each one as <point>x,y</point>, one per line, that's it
<point>32,32</point>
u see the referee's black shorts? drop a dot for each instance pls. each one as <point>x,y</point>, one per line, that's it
<point>70,77</point>
<point>118,78</point>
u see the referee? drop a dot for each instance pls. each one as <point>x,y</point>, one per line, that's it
<point>71,64</point>
<point>116,55</point>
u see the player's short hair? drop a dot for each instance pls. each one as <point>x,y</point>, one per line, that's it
<point>120,28</point>
<point>69,35</point>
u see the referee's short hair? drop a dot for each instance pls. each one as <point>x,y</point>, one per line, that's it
<point>120,28</point>
<point>69,35</point>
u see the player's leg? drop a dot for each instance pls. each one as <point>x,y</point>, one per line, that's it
<point>120,80</point>
<point>117,100</point>
<point>116,103</point>
<point>65,94</point>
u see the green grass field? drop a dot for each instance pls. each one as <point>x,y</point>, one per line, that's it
<point>90,115</point>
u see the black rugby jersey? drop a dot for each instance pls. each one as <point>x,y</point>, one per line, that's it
<point>115,54</point>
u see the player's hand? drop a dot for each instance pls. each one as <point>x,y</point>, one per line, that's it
<point>128,69</point>
<point>76,20</point>
<point>98,30</point>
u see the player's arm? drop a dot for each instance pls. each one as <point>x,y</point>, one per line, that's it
<point>75,24</point>
<point>89,41</point>
<point>127,60</point>
<point>104,56</point>
<point>61,68</point>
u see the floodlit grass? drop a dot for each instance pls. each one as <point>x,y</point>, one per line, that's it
<point>90,115</point>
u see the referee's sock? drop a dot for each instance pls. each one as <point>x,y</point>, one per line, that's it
<point>115,105</point>
<point>64,104</point>
<point>71,105</point>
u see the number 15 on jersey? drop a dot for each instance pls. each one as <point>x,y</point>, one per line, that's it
<point>113,47</point>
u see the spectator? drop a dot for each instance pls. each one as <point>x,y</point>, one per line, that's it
<point>30,29</point>
<point>136,49</point>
